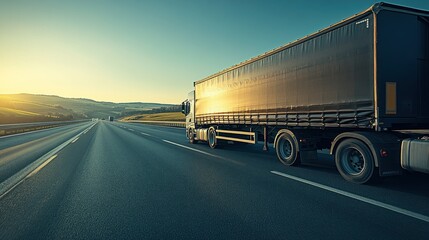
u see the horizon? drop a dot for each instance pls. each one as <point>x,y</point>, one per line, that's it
<point>28,108</point>
<point>83,98</point>
<point>151,51</point>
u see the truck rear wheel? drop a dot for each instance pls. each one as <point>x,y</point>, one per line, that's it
<point>287,149</point>
<point>212,137</point>
<point>354,161</point>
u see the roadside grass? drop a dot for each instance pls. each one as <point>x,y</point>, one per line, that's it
<point>9,111</point>
<point>168,116</point>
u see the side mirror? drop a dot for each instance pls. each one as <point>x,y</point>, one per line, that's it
<point>184,108</point>
<point>188,108</point>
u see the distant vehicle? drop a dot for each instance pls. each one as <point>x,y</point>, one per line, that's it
<point>111,118</point>
<point>352,88</point>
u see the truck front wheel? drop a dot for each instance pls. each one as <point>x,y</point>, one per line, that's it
<point>287,149</point>
<point>191,136</point>
<point>354,161</point>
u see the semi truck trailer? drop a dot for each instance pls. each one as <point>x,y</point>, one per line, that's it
<point>359,88</point>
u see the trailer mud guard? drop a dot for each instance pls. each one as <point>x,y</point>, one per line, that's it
<point>385,149</point>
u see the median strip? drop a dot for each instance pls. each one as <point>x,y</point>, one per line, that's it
<point>23,128</point>
<point>357,197</point>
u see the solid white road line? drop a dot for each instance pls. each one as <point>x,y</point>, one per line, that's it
<point>75,140</point>
<point>357,197</point>
<point>12,182</point>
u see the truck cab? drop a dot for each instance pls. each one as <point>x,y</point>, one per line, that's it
<point>188,108</point>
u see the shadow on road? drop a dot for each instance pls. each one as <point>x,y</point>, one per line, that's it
<point>410,182</point>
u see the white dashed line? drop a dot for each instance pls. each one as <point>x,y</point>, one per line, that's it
<point>192,149</point>
<point>205,153</point>
<point>41,166</point>
<point>12,182</point>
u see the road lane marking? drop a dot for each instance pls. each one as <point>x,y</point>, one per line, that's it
<point>15,180</point>
<point>75,140</point>
<point>27,176</point>
<point>357,197</point>
<point>41,166</point>
<point>11,188</point>
<point>146,134</point>
<point>89,128</point>
<point>192,149</point>
<point>206,153</point>
<point>132,130</point>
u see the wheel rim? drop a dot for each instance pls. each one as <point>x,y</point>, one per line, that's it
<point>211,137</point>
<point>353,161</point>
<point>285,149</point>
<point>190,135</point>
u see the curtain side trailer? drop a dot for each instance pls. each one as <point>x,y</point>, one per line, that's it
<point>359,88</point>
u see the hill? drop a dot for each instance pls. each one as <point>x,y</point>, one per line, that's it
<point>17,108</point>
<point>166,116</point>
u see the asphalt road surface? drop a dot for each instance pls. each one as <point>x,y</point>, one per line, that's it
<point>112,180</point>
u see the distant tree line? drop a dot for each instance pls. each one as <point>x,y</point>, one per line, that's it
<point>174,108</point>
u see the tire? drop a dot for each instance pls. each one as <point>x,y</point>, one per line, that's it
<point>212,137</point>
<point>287,149</point>
<point>354,161</point>
<point>190,134</point>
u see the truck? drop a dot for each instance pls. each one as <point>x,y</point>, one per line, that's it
<point>110,118</point>
<point>359,88</point>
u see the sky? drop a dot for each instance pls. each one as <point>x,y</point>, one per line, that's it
<point>147,51</point>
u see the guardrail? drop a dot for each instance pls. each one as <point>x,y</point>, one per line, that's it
<point>161,123</point>
<point>8,129</point>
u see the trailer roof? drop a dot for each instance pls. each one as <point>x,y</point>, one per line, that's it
<point>373,9</point>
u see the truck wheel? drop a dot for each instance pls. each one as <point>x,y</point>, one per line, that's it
<point>287,149</point>
<point>354,161</point>
<point>191,136</point>
<point>212,137</point>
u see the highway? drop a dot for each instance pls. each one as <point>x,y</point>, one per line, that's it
<point>114,180</point>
